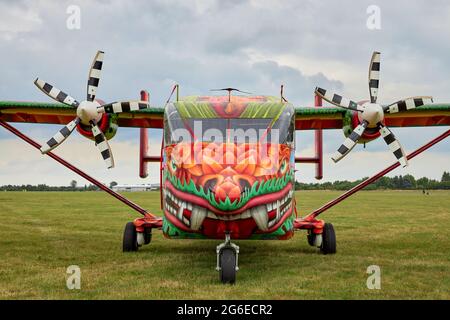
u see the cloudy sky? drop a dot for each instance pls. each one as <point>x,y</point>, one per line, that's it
<point>252,45</point>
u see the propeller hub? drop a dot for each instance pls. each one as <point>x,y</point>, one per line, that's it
<point>87,111</point>
<point>373,113</point>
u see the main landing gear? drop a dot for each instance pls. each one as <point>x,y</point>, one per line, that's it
<point>133,239</point>
<point>227,260</point>
<point>325,241</point>
<point>139,233</point>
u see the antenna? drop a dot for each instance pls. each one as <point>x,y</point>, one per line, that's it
<point>281,94</point>
<point>175,87</point>
<point>229,91</point>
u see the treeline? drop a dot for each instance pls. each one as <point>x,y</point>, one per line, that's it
<point>407,182</point>
<point>44,187</point>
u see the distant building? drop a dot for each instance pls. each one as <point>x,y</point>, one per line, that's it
<point>136,187</point>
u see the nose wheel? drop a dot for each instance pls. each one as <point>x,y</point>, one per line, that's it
<point>227,260</point>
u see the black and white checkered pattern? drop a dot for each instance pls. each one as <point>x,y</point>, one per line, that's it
<point>60,136</point>
<point>374,76</point>
<point>394,145</point>
<point>350,142</point>
<point>338,100</point>
<point>407,104</point>
<point>102,145</point>
<point>94,76</point>
<point>55,93</point>
<point>125,106</point>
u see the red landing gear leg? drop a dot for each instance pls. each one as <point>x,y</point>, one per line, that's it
<point>322,234</point>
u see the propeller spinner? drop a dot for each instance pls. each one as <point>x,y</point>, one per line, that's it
<point>371,114</point>
<point>89,112</point>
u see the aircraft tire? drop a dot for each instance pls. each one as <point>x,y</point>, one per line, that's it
<point>147,235</point>
<point>228,265</point>
<point>328,239</point>
<point>130,238</point>
<point>311,239</point>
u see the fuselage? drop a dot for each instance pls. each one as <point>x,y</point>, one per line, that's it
<point>228,168</point>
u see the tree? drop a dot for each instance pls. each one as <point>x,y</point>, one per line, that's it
<point>445,176</point>
<point>409,182</point>
<point>73,184</point>
<point>423,183</point>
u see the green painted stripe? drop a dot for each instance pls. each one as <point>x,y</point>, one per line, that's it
<point>195,110</point>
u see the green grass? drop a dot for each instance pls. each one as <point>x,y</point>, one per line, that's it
<point>406,233</point>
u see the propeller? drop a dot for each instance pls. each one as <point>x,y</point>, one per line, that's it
<point>89,112</point>
<point>371,114</point>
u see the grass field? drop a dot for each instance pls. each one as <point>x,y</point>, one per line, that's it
<point>406,233</point>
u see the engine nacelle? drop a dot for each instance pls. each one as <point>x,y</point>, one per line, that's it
<point>107,124</point>
<point>351,121</point>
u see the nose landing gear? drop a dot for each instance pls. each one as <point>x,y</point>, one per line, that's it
<point>227,260</point>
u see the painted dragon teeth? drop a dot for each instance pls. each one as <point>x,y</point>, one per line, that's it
<point>198,214</point>
<point>260,216</point>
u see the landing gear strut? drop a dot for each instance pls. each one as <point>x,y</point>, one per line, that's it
<point>227,260</point>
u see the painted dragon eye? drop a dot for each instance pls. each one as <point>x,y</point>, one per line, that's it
<point>283,166</point>
<point>173,166</point>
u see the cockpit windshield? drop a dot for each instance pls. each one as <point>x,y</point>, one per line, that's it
<point>259,129</point>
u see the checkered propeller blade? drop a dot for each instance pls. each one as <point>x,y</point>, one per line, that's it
<point>394,145</point>
<point>94,75</point>
<point>374,76</point>
<point>350,142</point>
<point>407,104</point>
<point>125,106</point>
<point>338,100</point>
<point>102,145</point>
<point>55,93</point>
<point>60,136</point>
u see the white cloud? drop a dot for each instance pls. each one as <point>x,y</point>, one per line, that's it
<point>15,20</point>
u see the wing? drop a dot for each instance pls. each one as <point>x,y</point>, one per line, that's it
<point>306,118</point>
<point>309,118</point>
<point>58,113</point>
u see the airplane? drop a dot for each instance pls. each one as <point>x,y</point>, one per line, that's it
<point>227,162</point>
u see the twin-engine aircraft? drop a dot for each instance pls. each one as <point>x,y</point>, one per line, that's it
<point>227,162</point>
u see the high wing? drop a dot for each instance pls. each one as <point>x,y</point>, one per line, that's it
<point>335,118</point>
<point>307,118</point>
<point>58,113</point>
